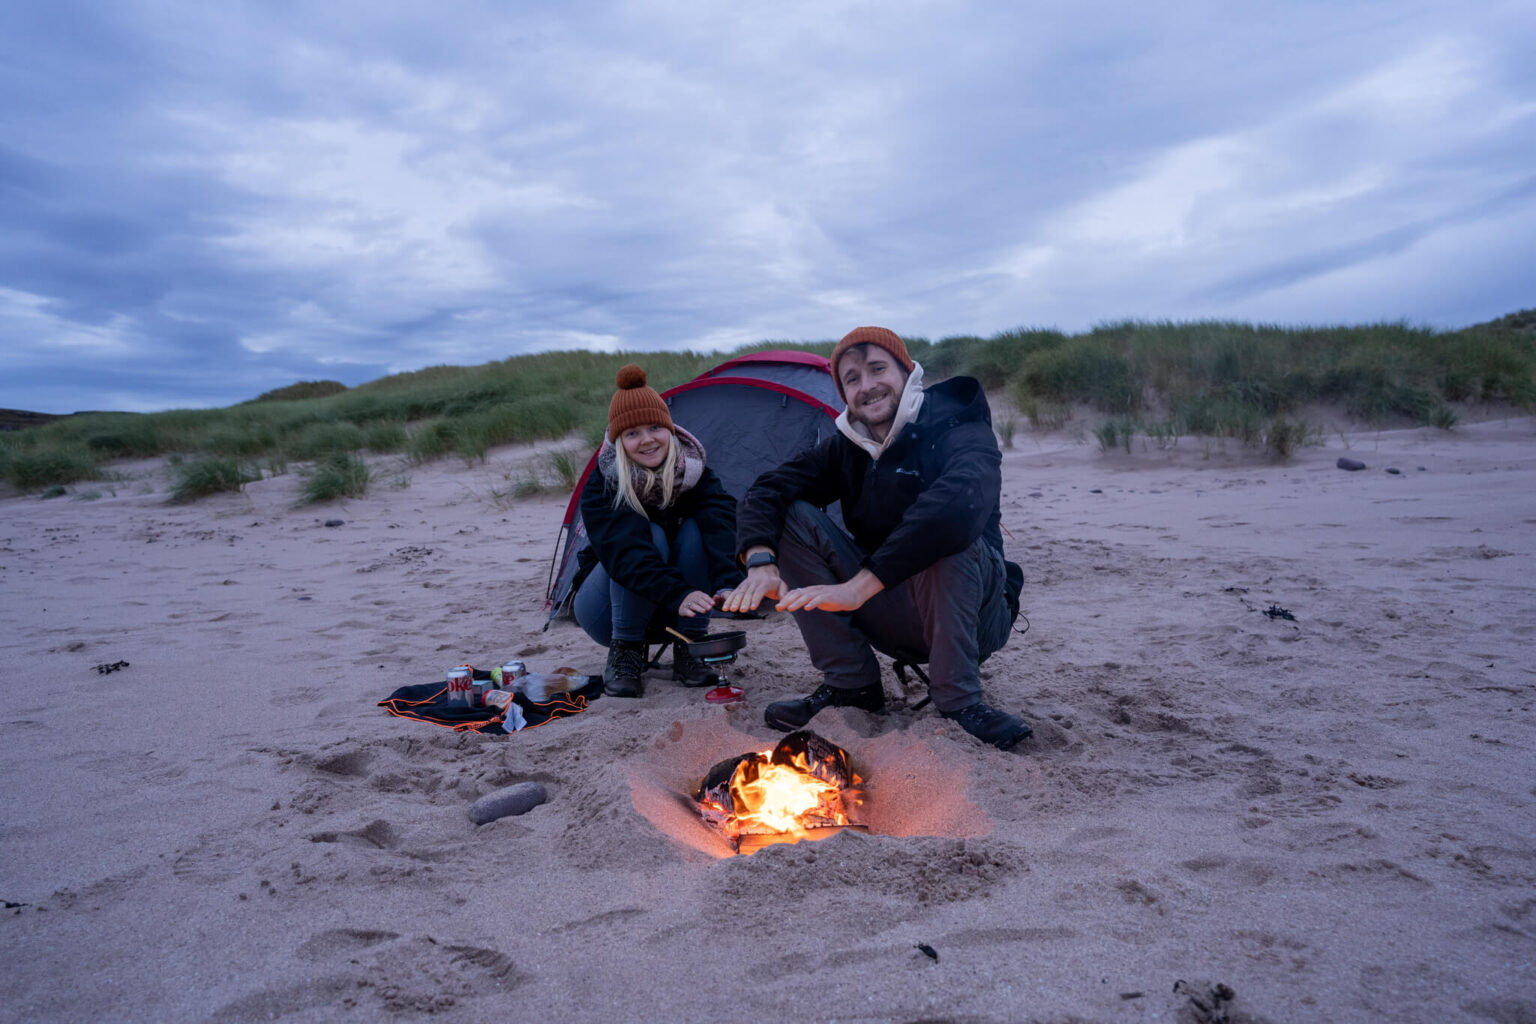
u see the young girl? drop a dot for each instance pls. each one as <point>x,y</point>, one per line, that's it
<point>663,532</point>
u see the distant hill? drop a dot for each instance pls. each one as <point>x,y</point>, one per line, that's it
<point>1523,322</point>
<point>18,419</point>
<point>302,390</point>
<point>951,355</point>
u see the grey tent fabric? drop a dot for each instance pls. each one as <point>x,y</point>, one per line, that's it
<point>752,413</point>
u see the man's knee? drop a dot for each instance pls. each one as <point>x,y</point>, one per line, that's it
<point>960,579</point>
<point>814,549</point>
<point>804,524</point>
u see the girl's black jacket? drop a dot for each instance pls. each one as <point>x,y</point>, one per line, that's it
<point>621,539</point>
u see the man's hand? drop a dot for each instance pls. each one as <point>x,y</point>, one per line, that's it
<point>833,597</point>
<point>696,603</point>
<point>761,583</point>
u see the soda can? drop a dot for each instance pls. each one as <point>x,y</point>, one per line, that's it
<point>510,671</point>
<point>478,689</point>
<point>460,685</point>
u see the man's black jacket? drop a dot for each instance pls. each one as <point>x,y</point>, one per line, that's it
<point>933,492</point>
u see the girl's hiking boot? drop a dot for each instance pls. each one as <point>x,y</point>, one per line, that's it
<point>688,670</point>
<point>621,675</point>
<point>986,723</point>
<point>789,715</point>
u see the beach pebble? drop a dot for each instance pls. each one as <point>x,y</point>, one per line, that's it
<point>335,522</point>
<point>1350,464</point>
<point>1394,470</point>
<point>518,799</point>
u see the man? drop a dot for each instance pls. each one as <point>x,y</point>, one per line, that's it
<point>918,474</point>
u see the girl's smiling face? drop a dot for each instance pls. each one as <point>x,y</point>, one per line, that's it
<point>647,446</point>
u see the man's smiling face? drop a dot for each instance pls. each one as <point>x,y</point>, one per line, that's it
<point>872,382</point>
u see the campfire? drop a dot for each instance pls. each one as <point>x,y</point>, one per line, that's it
<point>801,789</point>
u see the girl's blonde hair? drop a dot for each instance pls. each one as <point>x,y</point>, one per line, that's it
<point>626,471</point>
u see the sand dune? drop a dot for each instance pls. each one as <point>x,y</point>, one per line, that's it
<point>1324,817</point>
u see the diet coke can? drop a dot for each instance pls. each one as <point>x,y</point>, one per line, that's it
<point>511,671</point>
<point>461,685</point>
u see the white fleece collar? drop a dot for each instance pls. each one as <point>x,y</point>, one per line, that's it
<point>906,412</point>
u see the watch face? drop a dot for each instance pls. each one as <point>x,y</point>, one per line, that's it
<point>761,558</point>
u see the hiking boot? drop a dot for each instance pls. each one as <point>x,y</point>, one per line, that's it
<point>621,675</point>
<point>688,670</point>
<point>990,725</point>
<point>788,715</point>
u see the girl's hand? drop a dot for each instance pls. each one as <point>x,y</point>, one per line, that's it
<point>695,603</point>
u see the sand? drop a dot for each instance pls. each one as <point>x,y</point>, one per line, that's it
<point>1332,815</point>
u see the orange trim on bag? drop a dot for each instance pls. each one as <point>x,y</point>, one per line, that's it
<point>402,708</point>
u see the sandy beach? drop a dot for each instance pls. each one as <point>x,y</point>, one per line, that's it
<point>1284,766</point>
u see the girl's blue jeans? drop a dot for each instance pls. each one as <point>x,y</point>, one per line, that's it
<point>609,612</point>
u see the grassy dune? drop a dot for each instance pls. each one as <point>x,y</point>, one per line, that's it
<point>1252,383</point>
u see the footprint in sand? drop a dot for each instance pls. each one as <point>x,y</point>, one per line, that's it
<point>351,763</point>
<point>296,696</point>
<point>383,972</point>
<point>207,864</point>
<point>342,942</point>
<point>1241,871</point>
<point>606,919</point>
<point>379,834</point>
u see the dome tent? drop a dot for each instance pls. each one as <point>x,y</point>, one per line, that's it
<point>752,413</point>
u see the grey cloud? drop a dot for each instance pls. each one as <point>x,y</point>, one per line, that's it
<point>355,188</point>
<point>1361,250</point>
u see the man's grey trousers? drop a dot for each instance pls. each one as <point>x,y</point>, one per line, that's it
<point>951,616</point>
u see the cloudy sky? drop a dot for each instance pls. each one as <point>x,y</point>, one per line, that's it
<point>201,201</point>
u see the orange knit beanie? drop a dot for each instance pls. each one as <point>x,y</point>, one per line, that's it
<point>634,404</point>
<point>878,336</point>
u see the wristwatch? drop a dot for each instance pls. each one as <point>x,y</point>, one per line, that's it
<point>762,558</point>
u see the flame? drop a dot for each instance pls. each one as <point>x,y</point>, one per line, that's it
<point>769,797</point>
<point>780,796</point>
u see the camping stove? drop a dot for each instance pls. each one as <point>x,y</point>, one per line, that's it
<point>717,650</point>
<point>725,693</point>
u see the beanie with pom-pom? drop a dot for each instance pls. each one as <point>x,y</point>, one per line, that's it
<point>634,404</point>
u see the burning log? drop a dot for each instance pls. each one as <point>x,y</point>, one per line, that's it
<point>800,789</point>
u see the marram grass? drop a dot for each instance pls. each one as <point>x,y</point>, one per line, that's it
<point>1227,380</point>
<point>339,475</point>
<point>202,477</point>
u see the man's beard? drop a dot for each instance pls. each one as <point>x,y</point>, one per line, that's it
<point>892,402</point>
